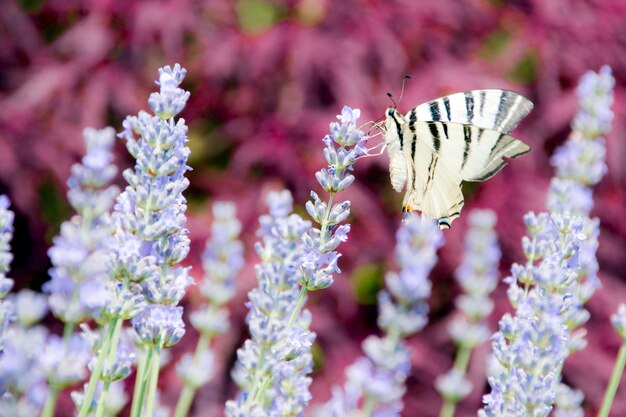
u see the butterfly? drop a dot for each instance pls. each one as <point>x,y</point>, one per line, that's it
<point>455,138</point>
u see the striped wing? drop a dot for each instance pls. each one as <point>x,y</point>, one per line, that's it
<point>500,110</point>
<point>439,155</point>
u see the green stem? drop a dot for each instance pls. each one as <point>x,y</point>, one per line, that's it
<point>102,400</point>
<point>448,408</point>
<point>462,358</point>
<point>369,406</point>
<point>324,225</point>
<point>154,378</point>
<point>461,362</point>
<point>299,304</point>
<point>51,401</point>
<point>141,383</point>
<point>184,401</point>
<point>611,389</point>
<point>95,375</point>
<point>68,331</point>
<point>264,386</point>
<point>188,392</point>
<point>257,375</point>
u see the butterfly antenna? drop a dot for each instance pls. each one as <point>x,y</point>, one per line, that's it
<point>406,77</point>
<point>392,100</point>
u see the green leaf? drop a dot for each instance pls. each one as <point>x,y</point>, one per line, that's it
<point>53,207</point>
<point>256,16</point>
<point>525,70</point>
<point>495,44</point>
<point>366,281</point>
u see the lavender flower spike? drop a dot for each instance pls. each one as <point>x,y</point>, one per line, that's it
<point>6,233</point>
<point>150,238</point>
<point>478,277</point>
<point>273,364</point>
<point>582,158</point>
<point>376,383</point>
<point>579,165</point>
<point>532,344</point>
<point>222,260</point>
<point>79,253</point>
<point>320,261</point>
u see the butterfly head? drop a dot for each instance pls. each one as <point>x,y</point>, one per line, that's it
<point>391,114</point>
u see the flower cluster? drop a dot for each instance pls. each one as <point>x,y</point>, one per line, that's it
<point>22,377</point>
<point>23,388</point>
<point>149,215</point>
<point>478,277</point>
<point>320,261</point>
<point>273,364</point>
<point>619,321</point>
<point>149,240</point>
<point>222,260</point>
<point>579,164</point>
<point>581,159</point>
<point>532,344</point>
<point>561,270</point>
<point>6,233</point>
<point>79,253</point>
<point>568,402</point>
<point>375,383</point>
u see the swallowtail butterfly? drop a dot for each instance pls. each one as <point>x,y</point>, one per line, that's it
<point>460,137</point>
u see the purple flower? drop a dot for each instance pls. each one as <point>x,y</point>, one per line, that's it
<point>375,383</point>
<point>273,364</point>
<point>6,234</point>
<point>79,254</point>
<point>160,325</point>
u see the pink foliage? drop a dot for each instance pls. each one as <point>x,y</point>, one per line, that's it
<point>266,78</point>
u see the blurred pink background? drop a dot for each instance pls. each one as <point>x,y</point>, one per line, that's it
<point>266,77</point>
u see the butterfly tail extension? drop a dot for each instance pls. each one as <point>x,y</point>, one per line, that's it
<point>506,147</point>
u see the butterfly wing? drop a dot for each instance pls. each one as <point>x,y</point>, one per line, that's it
<point>393,143</point>
<point>433,187</point>
<point>500,110</point>
<point>439,155</point>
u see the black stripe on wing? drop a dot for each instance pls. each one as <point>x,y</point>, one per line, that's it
<point>488,109</point>
<point>469,152</point>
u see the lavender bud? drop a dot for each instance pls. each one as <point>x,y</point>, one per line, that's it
<point>159,325</point>
<point>453,386</point>
<point>619,320</point>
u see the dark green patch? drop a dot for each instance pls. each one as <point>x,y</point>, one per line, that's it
<point>469,190</point>
<point>53,207</point>
<point>197,199</point>
<point>366,281</point>
<point>495,44</point>
<point>318,357</point>
<point>525,70</point>
<point>31,6</point>
<point>209,149</point>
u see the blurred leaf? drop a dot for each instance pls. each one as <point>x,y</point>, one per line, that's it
<point>366,281</point>
<point>197,200</point>
<point>255,16</point>
<point>31,5</point>
<point>525,70</point>
<point>318,356</point>
<point>53,206</point>
<point>208,148</point>
<point>495,44</point>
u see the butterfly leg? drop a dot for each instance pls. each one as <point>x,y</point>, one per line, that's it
<point>382,146</point>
